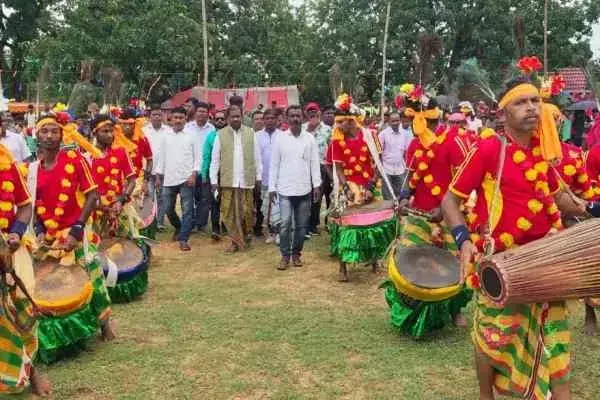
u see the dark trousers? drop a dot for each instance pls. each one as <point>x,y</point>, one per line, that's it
<point>202,203</point>
<point>326,189</point>
<point>183,227</point>
<point>295,213</point>
<point>259,215</point>
<point>396,181</point>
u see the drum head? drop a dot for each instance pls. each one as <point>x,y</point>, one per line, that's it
<point>427,266</point>
<point>125,253</point>
<point>369,207</point>
<point>55,282</point>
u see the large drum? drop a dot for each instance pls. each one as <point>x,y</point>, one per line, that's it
<point>559,267</point>
<point>131,259</point>
<point>363,233</point>
<point>424,273</point>
<point>63,292</point>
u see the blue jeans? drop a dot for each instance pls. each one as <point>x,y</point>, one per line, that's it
<point>205,203</point>
<point>182,228</point>
<point>295,210</point>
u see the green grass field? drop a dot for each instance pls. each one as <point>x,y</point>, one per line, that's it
<point>216,326</point>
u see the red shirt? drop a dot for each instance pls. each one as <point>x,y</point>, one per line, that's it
<point>573,172</point>
<point>354,156</point>
<point>13,193</point>
<point>111,173</point>
<point>143,152</point>
<point>526,210</point>
<point>57,203</point>
<point>432,169</point>
<point>593,164</point>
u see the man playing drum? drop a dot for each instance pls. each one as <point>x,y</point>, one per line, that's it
<point>66,196</point>
<point>18,346</point>
<point>521,349</point>
<point>431,163</point>
<point>115,176</point>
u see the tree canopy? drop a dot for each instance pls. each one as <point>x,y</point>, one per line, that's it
<point>316,45</point>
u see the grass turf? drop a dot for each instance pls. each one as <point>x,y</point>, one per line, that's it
<point>216,326</point>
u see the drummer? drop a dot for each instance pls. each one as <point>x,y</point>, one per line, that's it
<point>115,175</point>
<point>141,157</point>
<point>350,156</point>
<point>62,179</point>
<point>17,347</point>
<point>431,162</point>
<point>525,209</point>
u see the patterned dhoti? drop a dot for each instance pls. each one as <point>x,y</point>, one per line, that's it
<point>238,213</point>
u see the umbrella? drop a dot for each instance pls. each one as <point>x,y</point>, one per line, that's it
<point>583,105</point>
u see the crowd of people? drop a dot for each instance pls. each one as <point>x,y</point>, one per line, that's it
<point>470,180</point>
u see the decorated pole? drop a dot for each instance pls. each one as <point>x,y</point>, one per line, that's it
<point>384,66</point>
<point>205,40</point>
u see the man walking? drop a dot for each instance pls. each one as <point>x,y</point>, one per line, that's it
<point>236,169</point>
<point>394,142</point>
<point>155,132</point>
<point>266,138</point>
<point>200,128</point>
<point>294,178</point>
<point>178,167</point>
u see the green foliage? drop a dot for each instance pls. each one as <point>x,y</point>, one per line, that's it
<point>273,42</point>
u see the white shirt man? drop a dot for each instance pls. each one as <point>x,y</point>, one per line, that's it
<point>394,140</point>
<point>295,167</point>
<point>17,145</point>
<point>238,162</point>
<point>199,133</point>
<point>179,157</point>
<point>155,138</point>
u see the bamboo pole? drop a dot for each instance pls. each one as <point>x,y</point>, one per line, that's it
<point>384,66</point>
<point>205,40</point>
<point>545,37</point>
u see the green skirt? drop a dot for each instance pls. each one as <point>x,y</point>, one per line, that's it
<point>359,244</point>
<point>66,335</point>
<point>419,318</point>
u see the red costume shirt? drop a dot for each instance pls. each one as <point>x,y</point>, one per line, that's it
<point>57,204</point>
<point>143,152</point>
<point>13,193</point>
<point>111,173</point>
<point>525,209</point>
<point>354,156</point>
<point>573,172</point>
<point>432,169</point>
<point>593,164</point>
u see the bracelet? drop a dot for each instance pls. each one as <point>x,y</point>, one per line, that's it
<point>593,209</point>
<point>77,230</point>
<point>404,194</point>
<point>18,227</point>
<point>460,234</point>
<point>38,228</point>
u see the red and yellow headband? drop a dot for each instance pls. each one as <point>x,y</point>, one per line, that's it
<point>47,121</point>
<point>103,124</point>
<point>546,130</point>
<point>522,90</point>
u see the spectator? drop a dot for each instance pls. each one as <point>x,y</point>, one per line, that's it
<point>15,143</point>
<point>236,169</point>
<point>266,138</point>
<point>30,116</point>
<point>178,166</point>
<point>394,142</point>
<point>258,121</point>
<point>322,135</point>
<point>294,178</point>
<point>200,128</point>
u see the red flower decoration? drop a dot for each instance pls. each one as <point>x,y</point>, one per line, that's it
<point>398,101</point>
<point>416,93</point>
<point>116,112</point>
<point>529,64</point>
<point>558,85</point>
<point>63,118</point>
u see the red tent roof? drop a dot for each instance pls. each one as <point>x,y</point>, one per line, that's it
<point>574,78</point>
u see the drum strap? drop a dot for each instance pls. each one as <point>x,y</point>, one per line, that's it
<point>489,245</point>
<point>32,186</point>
